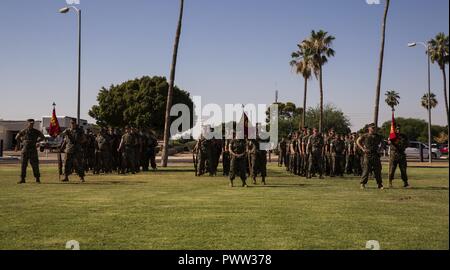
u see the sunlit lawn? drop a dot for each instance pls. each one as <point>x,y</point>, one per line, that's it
<point>172,209</point>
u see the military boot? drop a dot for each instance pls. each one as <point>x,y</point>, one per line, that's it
<point>38,180</point>
<point>22,181</point>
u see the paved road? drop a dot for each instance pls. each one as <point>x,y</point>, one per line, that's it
<point>186,158</point>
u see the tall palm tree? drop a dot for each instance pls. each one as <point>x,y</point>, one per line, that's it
<point>319,45</point>
<point>165,153</point>
<point>380,67</point>
<point>433,101</point>
<point>302,62</point>
<point>439,53</point>
<point>392,99</point>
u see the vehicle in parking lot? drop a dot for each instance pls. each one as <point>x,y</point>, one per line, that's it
<point>444,149</point>
<point>50,143</point>
<point>413,151</point>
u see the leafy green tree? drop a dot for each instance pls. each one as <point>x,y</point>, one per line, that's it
<point>140,102</point>
<point>334,118</point>
<point>415,129</point>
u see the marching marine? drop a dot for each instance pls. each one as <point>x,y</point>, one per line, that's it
<point>369,144</point>
<point>74,139</point>
<point>397,157</point>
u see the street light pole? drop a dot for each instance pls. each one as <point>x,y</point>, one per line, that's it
<point>427,48</point>
<point>78,11</point>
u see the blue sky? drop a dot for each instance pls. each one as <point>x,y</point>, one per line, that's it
<point>233,51</point>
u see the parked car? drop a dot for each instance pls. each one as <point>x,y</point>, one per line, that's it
<point>444,149</point>
<point>413,151</point>
<point>50,143</point>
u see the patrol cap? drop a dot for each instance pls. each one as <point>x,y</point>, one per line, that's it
<point>372,125</point>
<point>30,121</point>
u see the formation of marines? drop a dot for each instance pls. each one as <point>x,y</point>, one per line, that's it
<point>240,157</point>
<point>309,154</point>
<point>104,152</point>
<point>306,153</point>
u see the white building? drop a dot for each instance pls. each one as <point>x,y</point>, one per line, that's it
<point>9,129</point>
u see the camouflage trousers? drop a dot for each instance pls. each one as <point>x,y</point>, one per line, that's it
<point>337,164</point>
<point>357,165</point>
<point>371,163</point>
<point>128,161</point>
<point>226,163</point>
<point>258,164</point>
<point>205,163</point>
<point>74,162</point>
<point>238,167</point>
<point>400,161</point>
<point>30,156</point>
<point>282,158</point>
<point>102,161</point>
<point>349,163</point>
<point>293,163</point>
<point>315,163</point>
<point>327,164</point>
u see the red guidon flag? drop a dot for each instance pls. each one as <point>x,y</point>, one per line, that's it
<point>54,128</point>
<point>393,135</point>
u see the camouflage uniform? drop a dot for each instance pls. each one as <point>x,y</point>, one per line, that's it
<point>137,150</point>
<point>226,158</point>
<point>258,160</point>
<point>28,138</point>
<point>102,153</point>
<point>397,157</point>
<point>73,140</point>
<point>288,154</point>
<point>282,153</point>
<point>238,163</point>
<point>128,148</point>
<point>293,155</point>
<point>204,154</point>
<point>327,164</point>
<point>152,144</point>
<point>349,155</point>
<point>315,149</point>
<point>305,153</point>
<point>357,159</point>
<point>216,152</point>
<point>89,151</point>
<point>371,159</point>
<point>337,157</point>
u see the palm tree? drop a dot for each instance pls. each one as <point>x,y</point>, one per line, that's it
<point>433,101</point>
<point>165,153</point>
<point>439,53</point>
<point>319,46</point>
<point>302,62</point>
<point>392,99</point>
<point>380,67</point>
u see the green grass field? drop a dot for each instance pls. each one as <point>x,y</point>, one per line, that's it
<point>172,209</point>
